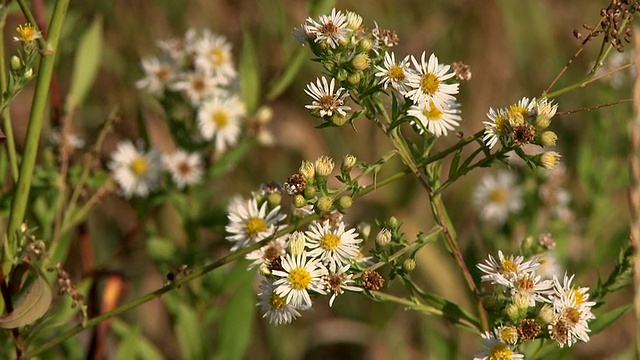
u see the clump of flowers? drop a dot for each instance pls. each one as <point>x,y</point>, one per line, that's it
<point>498,196</point>
<point>361,65</point>
<point>523,306</point>
<point>296,267</point>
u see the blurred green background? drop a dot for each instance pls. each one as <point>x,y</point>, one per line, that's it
<point>514,48</point>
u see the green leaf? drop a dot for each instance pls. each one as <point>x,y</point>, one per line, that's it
<point>144,348</point>
<point>86,65</point>
<point>189,333</point>
<point>603,321</point>
<point>237,316</point>
<point>161,249</point>
<point>32,304</point>
<point>249,72</point>
<point>282,82</point>
<point>129,346</point>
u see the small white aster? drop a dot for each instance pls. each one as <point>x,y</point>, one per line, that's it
<point>506,270</point>
<point>300,275</point>
<point>178,49</point>
<point>394,73</point>
<point>532,287</point>
<point>137,172</point>
<point>220,118</point>
<point>428,82</point>
<point>248,224</point>
<point>497,128</point>
<point>213,56</point>
<point>497,196</point>
<point>573,311</point>
<point>339,281</point>
<point>185,169</point>
<point>329,29</point>
<point>273,250</point>
<point>435,121</point>
<point>325,100</point>
<point>333,245</point>
<point>275,306</point>
<point>198,86</point>
<point>157,75</point>
<point>494,349</point>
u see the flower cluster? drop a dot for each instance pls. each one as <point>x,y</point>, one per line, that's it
<point>197,73</point>
<point>139,172</point>
<point>524,307</point>
<point>522,123</point>
<point>297,266</point>
<point>360,61</point>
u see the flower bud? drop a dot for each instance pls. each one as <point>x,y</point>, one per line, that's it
<point>383,238</point>
<point>548,138</point>
<point>549,160</point>
<point>365,44</point>
<point>364,228</point>
<point>354,79</point>
<point>15,63</point>
<point>274,199</point>
<point>299,201</point>
<point>310,192</point>
<point>348,162</point>
<point>361,62</point>
<point>409,265</point>
<point>264,114</point>
<point>345,202</point>
<point>324,204</point>
<point>393,223</point>
<point>324,166</point>
<point>297,241</point>
<point>28,74</point>
<point>308,170</point>
<point>339,120</point>
<point>546,314</point>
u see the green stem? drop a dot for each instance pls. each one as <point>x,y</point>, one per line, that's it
<point>6,116</point>
<point>19,204</point>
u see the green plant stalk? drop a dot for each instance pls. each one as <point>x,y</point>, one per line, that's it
<point>19,203</point>
<point>6,116</point>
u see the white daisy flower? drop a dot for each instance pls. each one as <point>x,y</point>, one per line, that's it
<point>157,75</point>
<point>198,87</point>
<point>248,224</point>
<point>213,56</point>
<point>497,128</point>
<point>505,270</point>
<point>331,29</point>
<point>324,98</point>
<point>339,281</point>
<point>573,311</point>
<point>493,349</point>
<point>185,169</point>
<point>521,110</point>
<point>137,172</point>
<point>273,250</point>
<point>545,110</point>
<point>394,73</point>
<point>497,196</point>
<point>333,245</point>
<point>428,82</point>
<point>433,120</point>
<point>275,306</point>
<point>532,287</point>
<point>220,118</point>
<point>549,266</point>
<point>179,49</point>
<point>300,275</point>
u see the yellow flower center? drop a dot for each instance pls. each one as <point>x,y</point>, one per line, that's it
<point>328,102</point>
<point>498,196</point>
<point>525,284</point>
<point>578,296</point>
<point>184,168</point>
<point>508,266</point>
<point>198,85</point>
<point>255,226</point>
<point>217,56</point>
<point>330,241</point>
<point>396,73</point>
<point>572,315</point>
<point>517,110</point>
<point>500,352</point>
<point>329,29</point>
<point>27,33</point>
<point>220,119</point>
<point>163,73</point>
<point>276,301</point>
<point>509,335</point>
<point>300,278</point>
<point>432,113</point>
<point>502,125</point>
<point>139,166</point>
<point>429,84</point>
